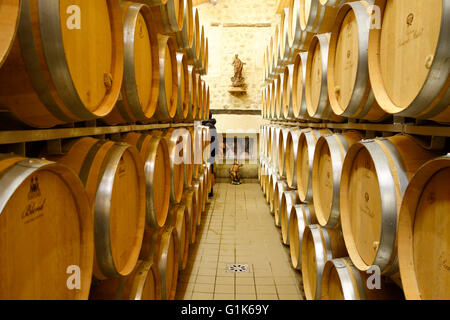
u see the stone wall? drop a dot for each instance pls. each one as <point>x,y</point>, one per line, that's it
<point>240,27</point>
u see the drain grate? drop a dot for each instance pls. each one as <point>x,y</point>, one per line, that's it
<point>237,267</point>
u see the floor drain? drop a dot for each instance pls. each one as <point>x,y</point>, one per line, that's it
<point>237,267</point>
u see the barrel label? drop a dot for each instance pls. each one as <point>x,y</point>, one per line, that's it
<point>36,204</point>
<point>412,33</point>
<point>74,19</point>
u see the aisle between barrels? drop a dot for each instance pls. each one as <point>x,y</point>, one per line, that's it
<point>238,233</point>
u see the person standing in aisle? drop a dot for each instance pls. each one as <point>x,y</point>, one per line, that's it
<point>211,123</point>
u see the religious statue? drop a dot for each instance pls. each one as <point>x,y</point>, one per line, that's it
<point>234,173</point>
<point>238,80</point>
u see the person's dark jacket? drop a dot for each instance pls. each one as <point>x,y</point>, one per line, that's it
<point>211,123</point>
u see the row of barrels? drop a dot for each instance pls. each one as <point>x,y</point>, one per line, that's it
<point>123,62</point>
<point>373,204</point>
<point>124,212</point>
<point>334,60</point>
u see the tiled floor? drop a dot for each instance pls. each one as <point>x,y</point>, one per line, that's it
<point>238,228</point>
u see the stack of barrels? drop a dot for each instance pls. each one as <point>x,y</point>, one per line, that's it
<point>350,208</point>
<point>122,62</point>
<point>359,215</point>
<point>99,218</point>
<point>337,60</point>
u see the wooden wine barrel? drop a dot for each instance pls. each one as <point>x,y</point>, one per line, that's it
<point>9,17</point>
<point>304,162</point>
<point>197,38</point>
<point>287,104</point>
<point>288,200</point>
<point>281,150</point>
<point>279,94</point>
<point>280,187</point>
<point>299,39</point>
<point>187,156</point>
<point>155,154</point>
<point>267,185</point>
<point>423,233</point>
<point>162,249</point>
<point>349,88</point>
<point>44,81</point>
<point>185,37</point>
<point>203,69</point>
<point>190,201</point>
<point>405,84</point>
<point>199,97</point>
<point>375,175</point>
<point>276,133</point>
<point>318,16</point>
<point>144,283</point>
<point>272,93</point>
<point>202,181</point>
<point>271,194</point>
<point>298,87</point>
<point>114,179</point>
<point>275,50</point>
<point>284,40</point>
<point>175,141</point>
<point>168,83</point>
<point>192,104</point>
<point>30,209</point>
<point>201,50</point>
<point>318,246</point>
<point>302,215</point>
<point>205,188</point>
<point>198,151</point>
<point>183,88</point>
<point>316,90</point>
<point>198,193</point>
<point>326,175</point>
<point>140,86</point>
<point>207,103</point>
<point>179,218</point>
<point>291,156</point>
<point>168,15</point>
<point>342,281</point>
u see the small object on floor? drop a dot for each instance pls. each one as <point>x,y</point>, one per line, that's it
<point>236,183</point>
<point>234,173</point>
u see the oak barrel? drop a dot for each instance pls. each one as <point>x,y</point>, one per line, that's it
<point>155,154</point>
<point>318,246</point>
<point>318,16</point>
<point>279,189</point>
<point>411,78</point>
<point>304,162</point>
<point>349,88</point>
<point>185,37</point>
<point>183,88</point>
<point>299,39</point>
<point>192,104</point>
<point>273,180</point>
<point>176,143</point>
<point>423,233</point>
<point>144,283</point>
<point>190,201</point>
<point>316,89</point>
<point>140,86</point>
<point>298,87</point>
<point>375,175</point>
<point>288,105</point>
<point>326,175</point>
<point>342,281</point>
<point>9,17</point>
<point>302,215</point>
<point>162,249</point>
<point>114,179</point>
<point>168,15</point>
<point>168,79</point>
<point>197,185</point>
<point>179,218</point>
<point>44,80</point>
<point>288,200</point>
<point>291,157</point>
<point>281,150</point>
<point>46,231</point>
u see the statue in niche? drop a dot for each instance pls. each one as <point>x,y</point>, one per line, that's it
<point>238,80</point>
